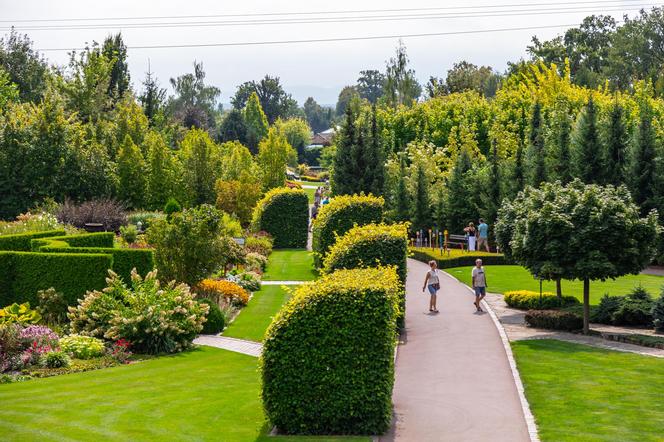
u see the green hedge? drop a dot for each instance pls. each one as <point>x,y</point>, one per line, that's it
<point>554,320</point>
<point>328,357</point>
<point>25,273</point>
<point>22,242</point>
<point>339,216</point>
<point>458,261</point>
<point>527,300</point>
<point>100,239</point>
<point>284,214</point>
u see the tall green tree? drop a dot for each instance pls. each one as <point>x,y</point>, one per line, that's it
<point>273,155</point>
<point>401,197</point>
<point>491,193</point>
<point>318,117</point>
<point>401,85</point>
<point>163,174</point>
<point>153,98</point>
<point>131,174</point>
<point>26,67</point>
<point>587,150</point>
<point>643,164</point>
<point>194,101</point>
<point>200,167</point>
<point>274,100</point>
<point>255,121</point>
<point>346,96</point>
<point>374,159</point>
<point>460,208</point>
<point>233,128</point>
<point>617,146</point>
<point>297,133</point>
<point>370,85</point>
<point>343,169</point>
<point>115,51</point>
<point>421,206</point>
<point>536,156</point>
<point>559,141</point>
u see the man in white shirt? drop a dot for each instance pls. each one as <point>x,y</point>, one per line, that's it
<point>479,283</point>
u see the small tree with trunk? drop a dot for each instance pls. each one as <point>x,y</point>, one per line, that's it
<point>578,231</point>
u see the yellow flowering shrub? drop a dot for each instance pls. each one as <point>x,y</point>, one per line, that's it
<point>221,290</point>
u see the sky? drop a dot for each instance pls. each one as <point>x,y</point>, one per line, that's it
<point>318,69</point>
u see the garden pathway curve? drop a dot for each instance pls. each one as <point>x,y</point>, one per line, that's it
<point>250,348</point>
<point>453,376</point>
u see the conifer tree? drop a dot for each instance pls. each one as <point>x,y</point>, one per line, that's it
<point>255,121</point>
<point>131,174</point>
<point>421,207</point>
<point>343,169</point>
<point>617,145</point>
<point>518,174</point>
<point>459,193</point>
<point>374,159</point>
<point>401,198</point>
<point>491,197</point>
<point>161,177</point>
<point>587,151</point>
<point>561,162</point>
<point>643,167</point>
<point>536,156</point>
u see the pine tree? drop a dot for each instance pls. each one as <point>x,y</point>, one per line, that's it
<point>644,170</point>
<point>561,162</point>
<point>401,198</point>
<point>343,169</point>
<point>374,158</point>
<point>255,121</point>
<point>536,152</point>
<point>491,197</point>
<point>440,211</point>
<point>587,151</point>
<point>152,99</point>
<point>161,177</point>
<point>518,175</point>
<point>131,174</point>
<point>617,144</point>
<point>459,193</point>
<point>421,208</point>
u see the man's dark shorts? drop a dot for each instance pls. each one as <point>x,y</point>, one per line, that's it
<point>479,291</point>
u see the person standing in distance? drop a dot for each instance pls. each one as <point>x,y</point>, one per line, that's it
<point>432,282</point>
<point>483,230</point>
<point>479,283</point>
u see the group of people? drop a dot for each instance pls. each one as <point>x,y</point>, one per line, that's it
<point>432,284</point>
<point>477,237</point>
<point>321,197</point>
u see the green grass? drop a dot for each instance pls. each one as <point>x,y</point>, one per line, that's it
<point>254,319</point>
<point>506,278</point>
<point>290,265</point>
<point>580,393</point>
<point>204,394</point>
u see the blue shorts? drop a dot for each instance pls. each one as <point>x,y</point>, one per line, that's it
<point>479,291</point>
<point>432,290</point>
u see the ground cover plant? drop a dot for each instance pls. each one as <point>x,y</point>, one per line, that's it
<point>290,265</point>
<point>254,319</point>
<point>578,392</point>
<point>506,278</point>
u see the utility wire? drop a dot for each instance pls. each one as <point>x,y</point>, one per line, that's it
<point>300,13</point>
<point>508,13</point>
<point>326,40</point>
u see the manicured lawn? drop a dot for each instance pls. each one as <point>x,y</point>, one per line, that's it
<point>254,319</point>
<point>506,278</point>
<point>290,265</point>
<point>204,394</point>
<point>581,393</point>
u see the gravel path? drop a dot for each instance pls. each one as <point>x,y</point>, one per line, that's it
<point>232,344</point>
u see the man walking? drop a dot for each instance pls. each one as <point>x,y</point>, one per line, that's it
<point>483,230</point>
<point>479,283</point>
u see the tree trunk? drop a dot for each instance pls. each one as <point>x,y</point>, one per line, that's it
<point>586,306</point>
<point>559,291</point>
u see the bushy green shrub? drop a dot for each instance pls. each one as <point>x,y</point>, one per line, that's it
<point>172,206</point>
<point>21,242</point>
<point>339,216</point>
<point>19,314</point>
<point>328,356</point>
<point>82,347</point>
<point>261,244</point>
<point>255,262</point>
<point>284,214</point>
<point>527,300</point>
<point>143,220</point>
<point>129,233</point>
<point>56,359</point>
<point>635,309</point>
<point>215,322</point>
<point>608,306</point>
<point>249,281</point>
<point>554,320</point>
<point>658,313</point>
<point>52,306</point>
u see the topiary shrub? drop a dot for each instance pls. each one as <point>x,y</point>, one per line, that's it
<point>658,313</point>
<point>527,300</point>
<point>284,214</point>
<point>22,242</point>
<point>339,216</point>
<point>554,320</point>
<point>328,357</point>
<point>215,322</point>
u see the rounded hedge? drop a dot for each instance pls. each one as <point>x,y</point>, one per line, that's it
<point>328,357</point>
<point>215,322</point>
<point>284,214</point>
<point>339,216</point>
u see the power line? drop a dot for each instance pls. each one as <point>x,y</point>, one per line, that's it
<point>504,13</point>
<point>327,40</point>
<point>305,13</point>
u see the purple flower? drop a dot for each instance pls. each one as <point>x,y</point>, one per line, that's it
<point>39,334</point>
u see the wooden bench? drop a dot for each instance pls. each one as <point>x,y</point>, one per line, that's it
<point>460,240</point>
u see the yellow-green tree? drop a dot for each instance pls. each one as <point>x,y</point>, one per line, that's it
<point>131,174</point>
<point>274,153</point>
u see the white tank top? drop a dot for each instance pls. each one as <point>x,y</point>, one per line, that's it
<point>433,277</point>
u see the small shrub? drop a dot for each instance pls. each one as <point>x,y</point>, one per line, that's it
<point>10,346</point>
<point>215,322</point>
<point>255,262</point>
<point>249,281</point>
<point>261,244</point>
<point>129,233</point>
<point>635,309</point>
<point>529,300</point>
<point>82,347</point>
<point>56,359</point>
<point>172,206</point>
<point>658,313</point>
<point>222,291</point>
<point>107,212</point>
<point>284,214</point>
<point>143,220</point>
<point>120,351</point>
<point>19,314</point>
<point>554,320</point>
<point>328,356</point>
<point>52,306</point>
<point>40,335</point>
<point>607,307</point>
<point>341,215</point>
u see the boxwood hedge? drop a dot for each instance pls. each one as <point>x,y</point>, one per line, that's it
<point>339,216</point>
<point>458,261</point>
<point>21,241</point>
<point>328,357</point>
<point>284,214</point>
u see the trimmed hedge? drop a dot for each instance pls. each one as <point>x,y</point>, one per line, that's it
<point>527,300</point>
<point>459,261</point>
<point>25,273</point>
<point>101,239</point>
<point>328,357</point>
<point>21,242</point>
<point>339,216</point>
<point>284,214</point>
<point>554,320</point>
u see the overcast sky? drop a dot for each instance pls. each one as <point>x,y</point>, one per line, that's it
<point>316,69</point>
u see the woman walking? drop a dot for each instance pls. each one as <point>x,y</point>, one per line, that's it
<point>432,282</point>
<point>470,231</point>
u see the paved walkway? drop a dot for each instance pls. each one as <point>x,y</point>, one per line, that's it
<point>232,344</point>
<point>453,376</point>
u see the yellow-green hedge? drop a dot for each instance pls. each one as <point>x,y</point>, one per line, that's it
<point>284,214</point>
<point>328,357</point>
<point>21,242</point>
<point>339,216</point>
<point>526,299</point>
